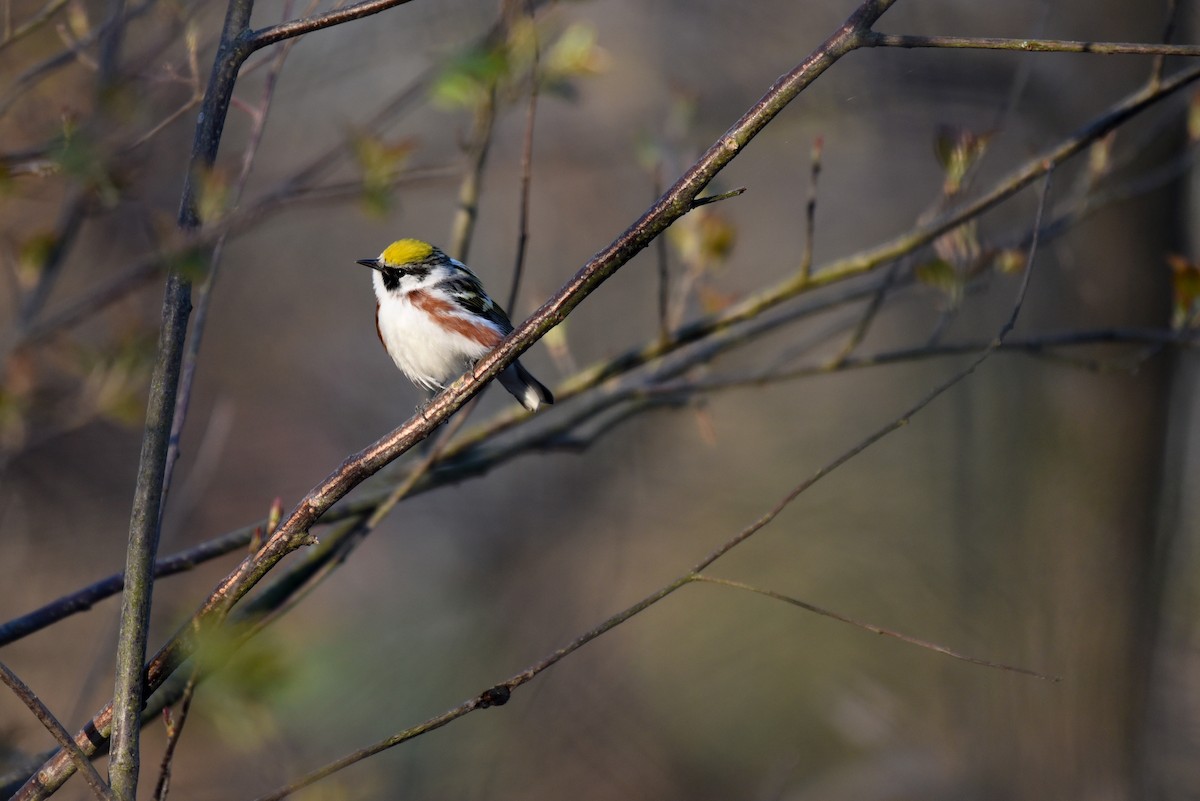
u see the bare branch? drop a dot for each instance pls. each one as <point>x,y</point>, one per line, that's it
<point>1160,61</point>
<point>70,221</point>
<point>174,731</point>
<point>259,39</point>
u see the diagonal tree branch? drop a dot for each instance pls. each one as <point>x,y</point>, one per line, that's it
<point>293,533</point>
<point>454,468</point>
<point>722,324</point>
<point>257,40</point>
<point>865,261</point>
<point>500,694</point>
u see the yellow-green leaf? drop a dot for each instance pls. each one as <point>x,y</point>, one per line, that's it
<point>576,53</point>
<point>940,274</point>
<point>77,21</point>
<point>1185,291</point>
<point>703,239</point>
<point>522,44</point>
<point>213,194</point>
<point>380,161</point>
<point>191,263</point>
<point>467,80</point>
<point>1009,261</point>
<point>32,256</point>
<point>1100,156</point>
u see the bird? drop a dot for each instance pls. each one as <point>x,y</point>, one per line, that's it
<point>435,319</point>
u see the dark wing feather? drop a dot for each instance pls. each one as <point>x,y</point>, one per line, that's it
<point>466,290</point>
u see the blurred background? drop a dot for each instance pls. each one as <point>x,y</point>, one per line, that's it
<point>1036,515</point>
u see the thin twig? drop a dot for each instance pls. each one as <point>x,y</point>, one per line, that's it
<point>662,260</point>
<point>259,39</point>
<point>810,209</point>
<point>85,598</point>
<point>1043,346</point>
<point>1160,61</point>
<point>868,317</point>
<point>258,123</point>
<point>74,211</point>
<point>704,201</point>
<point>526,173</point>
<point>197,95</point>
<point>871,627</point>
<point>875,39</point>
<point>463,228</point>
<point>163,785</point>
<point>56,729</point>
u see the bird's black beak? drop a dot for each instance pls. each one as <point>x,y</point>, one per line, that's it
<point>372,263</point>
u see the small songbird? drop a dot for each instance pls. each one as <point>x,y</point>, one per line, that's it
<point>435,320</point>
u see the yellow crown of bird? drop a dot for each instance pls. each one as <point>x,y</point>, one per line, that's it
<point>407,251</point>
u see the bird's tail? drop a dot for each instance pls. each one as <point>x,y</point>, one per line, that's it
<point>524,387</point>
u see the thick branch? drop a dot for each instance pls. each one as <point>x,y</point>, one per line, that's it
<point>144,524</point>
<point>143,542</point>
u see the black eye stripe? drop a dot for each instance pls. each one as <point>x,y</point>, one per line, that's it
<point>418,270</point>
<point>392,276</point>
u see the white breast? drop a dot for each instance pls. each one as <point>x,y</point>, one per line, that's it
<point>424,351</point>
